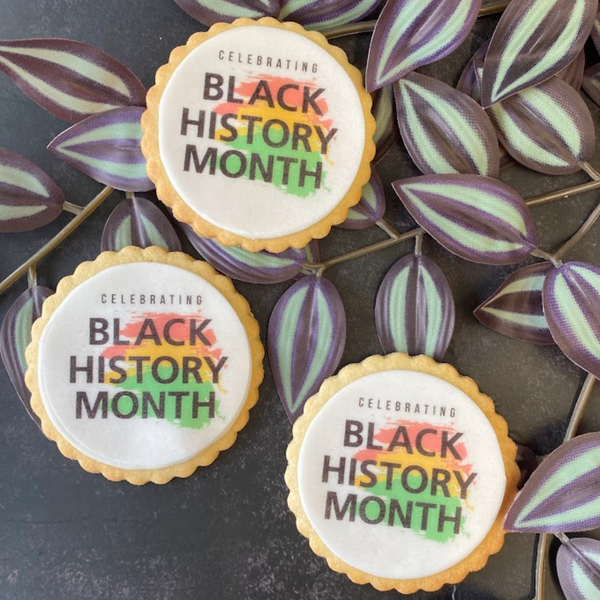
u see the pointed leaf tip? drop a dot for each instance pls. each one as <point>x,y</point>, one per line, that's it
<point>563,493</point>
<point>106,147</point>
<point>209,12</point>
<point>15,336</point>
<point>410,34</point>
<point>515,308</point>
<point>534,40</point>
<point>414,309</point>
<point>70,79</point>
<point>319,15</point>
<point>477,218</point>
<point>305,339</point>
<point>138,222</point>
<point>29,198</point>
<point>370,208</point>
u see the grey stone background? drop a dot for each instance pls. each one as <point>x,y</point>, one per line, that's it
<point>226,533</point>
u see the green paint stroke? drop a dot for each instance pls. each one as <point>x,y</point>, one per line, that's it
<point>397,492</point>
<point>292,186</point>
<point>152,386</point>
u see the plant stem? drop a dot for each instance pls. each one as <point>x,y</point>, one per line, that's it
<point>585,166</point>
<point>74,209</point>
<point>546,256</point>
<point>564,194</point>
<point>57,239</point>
<point>31,276</point>
<point>579,234</point>
<point>367,26</point>
<point>419,244</point>
<point>543,541</point>
<point>385,226</point>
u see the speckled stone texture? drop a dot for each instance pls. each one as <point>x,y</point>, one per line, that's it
<point>226,532</point>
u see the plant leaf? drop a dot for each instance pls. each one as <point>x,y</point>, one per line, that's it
<point>138,222</point>
<point>107,148</point>
<point>591,83</point>
<point>515,308</point>
<point>253,267</point>
<point>470,79</point>
<point>70,79</point>
<point>414,309</point>
<point>370,208</point>
<point>477,218</point>
<point>313,252</point>
<point>28,197</point>
<point>573,72</point>
<point>444,130</point>
<point>578,566</point>
<point>209,12</point>
<point>570,296</point>
<point>534,40</point>
<point>563,493</point>
<point>411,34</point>
<point>596,31</point>
<point>305,339</point>
<point>547,128</point>
<point>15,336</point>
<point>319,15</point>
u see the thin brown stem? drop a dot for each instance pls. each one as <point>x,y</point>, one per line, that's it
<point>74,209</point>
<point>419,244</point>
<point>57,239</point>
<point>31,276</point>
<point>579,234</point>
<point>546,256</point>
<point>564,194</point>
<point>367,26</point>
<point>543,541</point>
<point>585,166</point>
<point>385,226</point>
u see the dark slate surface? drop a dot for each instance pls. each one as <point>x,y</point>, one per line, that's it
<point>226,533</point>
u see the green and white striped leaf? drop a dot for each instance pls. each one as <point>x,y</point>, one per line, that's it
<point>534,40</point>
<point>444,130</point>
<point>414,309</point>
<point>477,218</point>
<point>209,12</point>
<point>547,128</point>
<point>319,15</point>
<point>370,208</point>
<point>137,222</point>
<point>578,567</point>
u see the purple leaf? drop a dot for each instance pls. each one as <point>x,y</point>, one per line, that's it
<point>578,566</point>
<point>15,336</point>
<point>591,83</point>
<point>70,79</point>
<point>477,218</point>
<point>444,130</point>
<point>107,148</point>
<point>252,267</point>
<point>370,208</point>
<point>209,12</point>
<point>411,34</point>
<point>470,79</point>
<point>138,222</point>
<point>547,128</point>
<point>534,40</point>
<point>571,298</point>
<point>563,493</point>
<point>305,339</point>
<point>28,197</point>
<point>596,31</point>
<point>319,15</point>
<point>515,308</point>
<point>414,309</point>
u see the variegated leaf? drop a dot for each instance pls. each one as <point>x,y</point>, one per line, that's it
<point>370,208</point>
<point>414,309</point>
<point>591,83</point>
<point>547,128</point>
<point>571,297</point>
<point>305,339</point>
<point>578,566</point>
<point>470,79</point>
<point>28,197</point>
<point>137,222</point>
<point>253,267</point>
<point>209,12</point>
<point>477,218</point>
<point>444,130</point>
<point>319,15</point>
<point>573,72</point>
<point>596,31</point>
<point>563,493</point>
<point>534,40</point>
<point>70,79</point>
<point>413,33</point>
<point>515,308</point>
<point>107,148</point>
<point>15,336</point>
